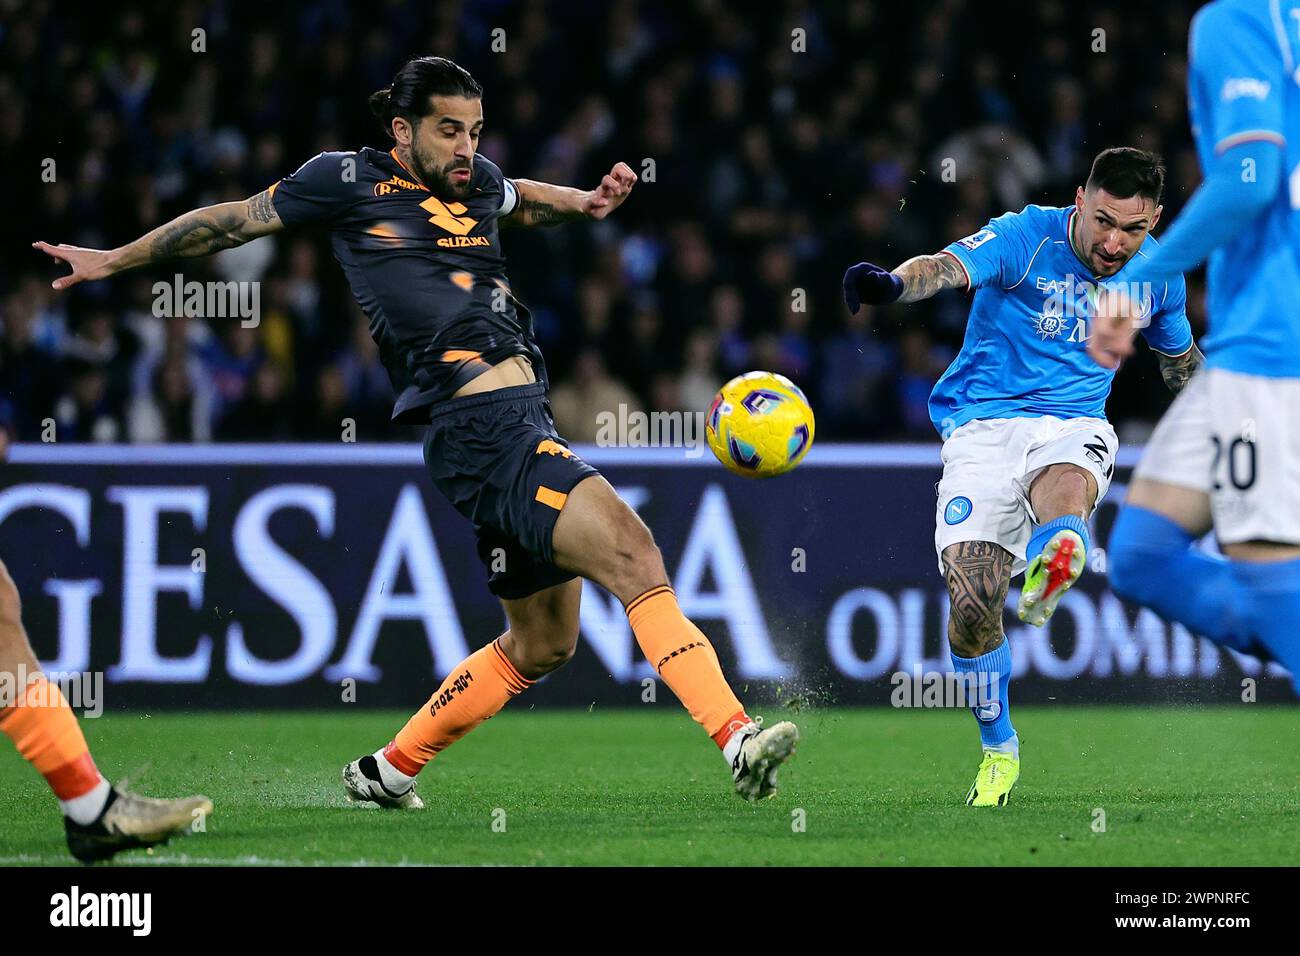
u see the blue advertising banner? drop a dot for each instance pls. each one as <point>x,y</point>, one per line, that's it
<point>280,576</point>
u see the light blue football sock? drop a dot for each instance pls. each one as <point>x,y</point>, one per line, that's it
<point>1272,610</point>
<point>1250,607</point>
<point>1043,534</point>
<point>992,705</point>
<point>1152,561</point>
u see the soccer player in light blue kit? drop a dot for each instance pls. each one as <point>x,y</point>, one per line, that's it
<point>1027,450</point>
<point>1227,454</point>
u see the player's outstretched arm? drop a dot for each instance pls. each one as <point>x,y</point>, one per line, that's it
<point>916,279</point>
<point>196,233</point>
<point>541,204</point>
<point>925,276</point>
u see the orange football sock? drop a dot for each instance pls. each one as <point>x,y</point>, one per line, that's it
<point>684,658</point>
<point>474,690</point>
<point>45,731</point>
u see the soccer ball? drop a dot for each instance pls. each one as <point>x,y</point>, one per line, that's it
<point>759,425</point>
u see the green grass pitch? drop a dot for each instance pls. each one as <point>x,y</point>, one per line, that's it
<point>1178,786</point>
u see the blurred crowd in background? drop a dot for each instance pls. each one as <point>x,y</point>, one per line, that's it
<point>773,169</point>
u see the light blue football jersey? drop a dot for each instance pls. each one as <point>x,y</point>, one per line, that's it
<point>1025,351</point>
<point>1244,86</point>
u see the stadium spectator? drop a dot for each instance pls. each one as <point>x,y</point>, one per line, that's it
<point>589,393</point>
<point>764,169</point>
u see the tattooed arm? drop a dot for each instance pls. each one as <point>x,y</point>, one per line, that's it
<point>1178,369</point>
<point>196,233</point>
<point>925,276</point>
<point>541,204</point>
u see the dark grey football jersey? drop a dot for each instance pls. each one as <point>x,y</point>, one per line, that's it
<point>428,272</point>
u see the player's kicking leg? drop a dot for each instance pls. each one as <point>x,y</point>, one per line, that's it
<point>599,537</point>
<point>1062,496</point>
<point>99,820</point>
<point>542,636</point>
<point>985,517</point>
<point>542,516</point>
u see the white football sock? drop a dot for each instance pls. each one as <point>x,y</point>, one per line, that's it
<point>86,808</point>
<point>390,776</point>
<point>1009,746</point>
<point>735,741</point>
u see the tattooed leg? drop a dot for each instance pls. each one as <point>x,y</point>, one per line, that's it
<point>978,574</point>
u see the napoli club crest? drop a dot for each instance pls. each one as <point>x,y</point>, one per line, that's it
<point>989,712</point>
<point>958,510</point>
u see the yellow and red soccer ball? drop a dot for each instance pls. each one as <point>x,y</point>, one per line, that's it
<point>759,425</point>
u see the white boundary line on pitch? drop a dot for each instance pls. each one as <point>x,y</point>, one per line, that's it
<point>832,455</point>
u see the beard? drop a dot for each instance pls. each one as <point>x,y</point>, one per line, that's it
<point>438,179</point>
<point>1108,268</point>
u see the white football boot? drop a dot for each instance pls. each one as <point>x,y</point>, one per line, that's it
<point>363,785</point>
<point>130,821</point>
<point>761,754</point>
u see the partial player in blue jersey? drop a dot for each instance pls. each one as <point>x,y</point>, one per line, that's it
<point>1227,454</point>
<point>1027,450</point>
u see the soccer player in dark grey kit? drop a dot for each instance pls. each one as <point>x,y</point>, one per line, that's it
<point>415,230</point>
